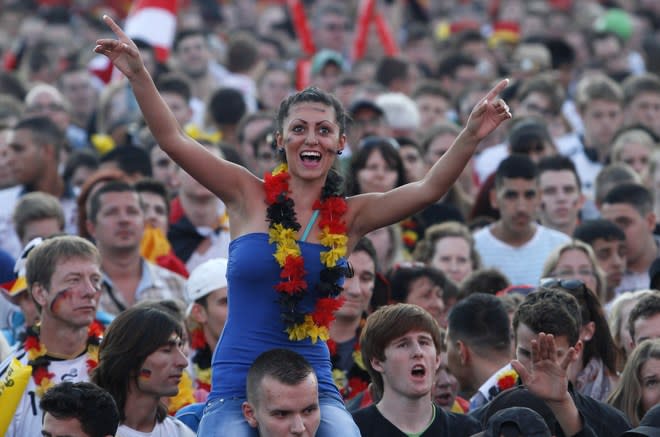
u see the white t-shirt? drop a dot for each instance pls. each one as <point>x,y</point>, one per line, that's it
<point>28,415</point>
<point>170,427</point>
<point>522,265</point>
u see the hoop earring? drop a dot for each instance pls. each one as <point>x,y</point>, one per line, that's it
<point>339,152</point>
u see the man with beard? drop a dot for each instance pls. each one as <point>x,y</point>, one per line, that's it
<point>516,244</point>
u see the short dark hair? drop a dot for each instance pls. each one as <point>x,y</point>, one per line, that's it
<point>44,131</point>
<point>227,106</point>
<point>558,163</point>
<point>592,230</point>
<point>390,69</point>
<point>388,323</point>
<point>452,62</point>
<point>186,33</point>
<point>515,167</point>
<point>481,321</point>
<point>92,406</point>
<point>553,312</point>
<point>80,158</point>
<point>176,84</point>
<point>130,159</point>
<point>401,279</point>
<point>646,307</point>
<point>488,281</point>
<point>636,195</point>
<point>122,352</point>
<point>94,204</point>
<point>636,85</point>
<point>283,365</point>
<point>153,186</point>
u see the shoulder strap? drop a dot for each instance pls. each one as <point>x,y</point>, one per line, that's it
<point>308,229</point>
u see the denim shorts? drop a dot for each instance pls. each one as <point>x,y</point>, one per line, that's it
<point>224,417</point>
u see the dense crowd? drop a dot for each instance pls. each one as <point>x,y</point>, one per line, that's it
<point>267,218</point>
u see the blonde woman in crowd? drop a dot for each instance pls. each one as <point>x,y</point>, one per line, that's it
<point>639,386</point>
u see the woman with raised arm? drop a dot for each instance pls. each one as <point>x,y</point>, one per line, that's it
<point>291,232</point>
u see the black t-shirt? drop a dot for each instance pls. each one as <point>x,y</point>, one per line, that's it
<point>374,424</point>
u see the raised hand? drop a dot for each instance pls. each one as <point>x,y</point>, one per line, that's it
<point>489,113</point>
<point>547,378</point>
<point>122,51</point>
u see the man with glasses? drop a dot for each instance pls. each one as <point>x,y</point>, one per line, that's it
<point>331,27</point>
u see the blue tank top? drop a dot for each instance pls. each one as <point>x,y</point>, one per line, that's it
<point>253,324</point>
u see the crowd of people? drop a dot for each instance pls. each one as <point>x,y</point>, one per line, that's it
<point>331,218</point>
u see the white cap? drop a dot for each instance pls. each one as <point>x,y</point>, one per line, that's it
<point>207,277</point>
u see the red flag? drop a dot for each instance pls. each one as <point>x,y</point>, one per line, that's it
<point>153,21</point>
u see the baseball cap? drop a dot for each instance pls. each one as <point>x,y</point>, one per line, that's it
<point>519,396</point>
<point>522,419</point>
<point>205,278</point>
<point>323,57</point>
<point>361,104</point>
<point>649,426</point>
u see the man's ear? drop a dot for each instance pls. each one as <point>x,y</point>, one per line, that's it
<point>198,313</point>
<point>377,365</point>
<point>464,351</point>
<point>650,220</point>
<point>587,331</point>
<point>492,196</point>
<point>39,294</point>
<point>91,229</point>
<point>249,413</point>
<point>578,347</point>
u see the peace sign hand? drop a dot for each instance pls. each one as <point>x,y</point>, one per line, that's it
<point>122,51</point>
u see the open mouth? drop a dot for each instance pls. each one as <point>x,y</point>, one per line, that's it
<point>418,371</point>
<point>310,156</point>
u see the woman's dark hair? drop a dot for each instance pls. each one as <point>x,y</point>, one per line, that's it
<point>360,157</point>
<point>312,94</point>
<point>131,337</point>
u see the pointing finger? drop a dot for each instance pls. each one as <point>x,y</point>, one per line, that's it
<point>492,94</point>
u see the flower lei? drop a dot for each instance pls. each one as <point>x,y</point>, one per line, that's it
<point>354,381</point>
<point>38,359</point>
<point>283,228</point>
<point>201,360</point>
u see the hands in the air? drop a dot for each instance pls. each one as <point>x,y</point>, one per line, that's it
<point>122,51</point>
<point>489,113</point>
<point>548,377</point>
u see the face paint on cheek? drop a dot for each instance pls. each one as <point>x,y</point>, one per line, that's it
<point>145,373</point>
<point>59,299</point>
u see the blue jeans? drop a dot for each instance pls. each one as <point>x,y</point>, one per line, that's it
<point>224,417</point>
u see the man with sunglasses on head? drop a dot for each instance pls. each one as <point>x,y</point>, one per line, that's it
<point>546,330</point>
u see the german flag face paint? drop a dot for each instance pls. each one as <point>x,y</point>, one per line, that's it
<point>61,297</point>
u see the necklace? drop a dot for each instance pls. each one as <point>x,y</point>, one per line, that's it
<point>354,381</point>
<point>39,360</point>
<point>283,228</point>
